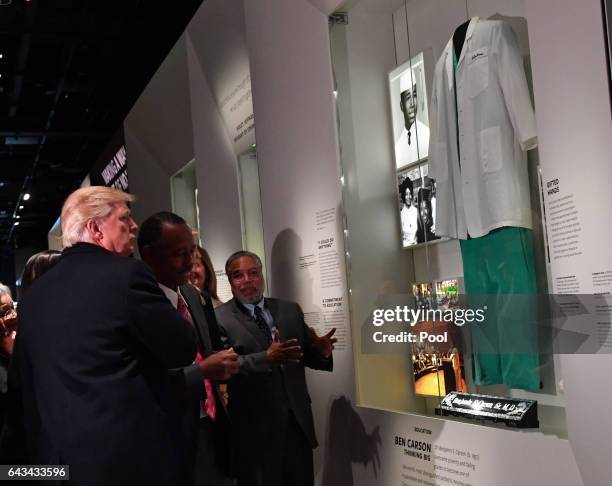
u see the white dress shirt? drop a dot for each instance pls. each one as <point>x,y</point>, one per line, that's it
<point>267,315</point>
<point>192,372</point>
<point>482,181</point>
<point>409,217</point>
<point>419,144</point>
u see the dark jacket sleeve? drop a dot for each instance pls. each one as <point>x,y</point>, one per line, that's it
<point>312,358</point>
<point>155,323</point>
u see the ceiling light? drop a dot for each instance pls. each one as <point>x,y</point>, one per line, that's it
<point>1,56</point>
<point>20,207</point>
<point>17,216</point>
<point>26,196</point>
<point>16,223</point>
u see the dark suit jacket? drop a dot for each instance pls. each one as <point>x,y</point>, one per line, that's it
<point>260,397</point>
<point>193,390</point>
<point>96,339</point>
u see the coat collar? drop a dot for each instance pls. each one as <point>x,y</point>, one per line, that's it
<point>468,37</point>
<point>448,52</point>
<point>83,247</point>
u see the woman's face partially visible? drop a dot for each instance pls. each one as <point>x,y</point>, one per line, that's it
<point>197,276</point>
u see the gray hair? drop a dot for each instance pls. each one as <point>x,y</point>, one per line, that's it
<point>85,204</point>
<point>242,253</point>
<point>4,289</point>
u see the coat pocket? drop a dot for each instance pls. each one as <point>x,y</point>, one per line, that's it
<point>490,149</point>
<point>478,72</point>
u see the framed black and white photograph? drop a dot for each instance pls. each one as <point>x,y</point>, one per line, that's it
<point>417,204</point>
<point>409,111</point>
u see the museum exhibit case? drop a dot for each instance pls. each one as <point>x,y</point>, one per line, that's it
<point>448,258</point>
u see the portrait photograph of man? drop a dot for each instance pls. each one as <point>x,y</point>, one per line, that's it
<point>408,89</point>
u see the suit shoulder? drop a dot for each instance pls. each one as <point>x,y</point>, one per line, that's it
<point>283,303</point>
<point>189,291</point>
<point>226,309</point>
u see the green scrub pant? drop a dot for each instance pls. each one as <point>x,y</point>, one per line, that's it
<point>499,273</point>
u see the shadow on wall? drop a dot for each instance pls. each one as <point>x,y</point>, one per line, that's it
<point>285,258</point>
<point>347,442</point>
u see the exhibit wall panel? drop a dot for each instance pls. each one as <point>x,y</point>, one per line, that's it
<point>217,33</point>
<point>158,134</point>
<point>417,450</point>
<point>220,87</point>
<point>568,54</point>
<point>300,187</point>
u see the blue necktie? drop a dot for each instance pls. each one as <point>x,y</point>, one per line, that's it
<point>262,324</point>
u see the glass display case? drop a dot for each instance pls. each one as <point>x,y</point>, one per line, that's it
<point>447,254</point>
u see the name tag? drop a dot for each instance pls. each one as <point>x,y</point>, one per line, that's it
<point>481,53</point>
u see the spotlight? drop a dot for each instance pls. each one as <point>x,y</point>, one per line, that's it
<point>26,196</point>
<point>16,223</point>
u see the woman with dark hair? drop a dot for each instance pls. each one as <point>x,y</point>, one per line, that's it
<point>203,276</point>
<point>37,265</point>
<point>425,222</point>
<point>409,213</point>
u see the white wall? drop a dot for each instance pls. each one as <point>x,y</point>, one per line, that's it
<point>215,170</point>
<point>575,128</point>
<point>177,119</point>
<point>158,134</point>
<point>293,100</point>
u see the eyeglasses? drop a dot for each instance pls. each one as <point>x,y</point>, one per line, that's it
<point>5,310</point>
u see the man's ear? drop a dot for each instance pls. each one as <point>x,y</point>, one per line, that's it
<point>93,229</point>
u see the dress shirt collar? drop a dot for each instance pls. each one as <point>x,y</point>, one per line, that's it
<point>251,307</point>
<point>171,294</point>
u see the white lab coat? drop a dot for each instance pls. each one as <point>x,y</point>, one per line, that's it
<point>489,187</point>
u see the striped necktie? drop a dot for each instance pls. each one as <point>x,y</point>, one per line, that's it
<point>209,406</point>
<point>262,324</point>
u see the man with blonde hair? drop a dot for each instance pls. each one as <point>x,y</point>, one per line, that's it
<point>97,336</point>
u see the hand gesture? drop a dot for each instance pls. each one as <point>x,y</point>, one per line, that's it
<point>8,323</point>
<point>220,366</point>
<point>287,352</point>
<point>323,344</point>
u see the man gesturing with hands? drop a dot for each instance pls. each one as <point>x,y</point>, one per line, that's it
<point>268,399</point>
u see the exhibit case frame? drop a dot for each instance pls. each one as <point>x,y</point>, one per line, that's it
<point>383,272</point>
